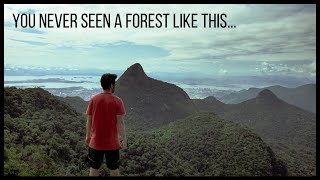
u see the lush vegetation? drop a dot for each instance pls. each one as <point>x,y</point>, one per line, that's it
<point>45,136</point>
<point>75,102</point>
<point>213,146</point>
<point>42,135</point>
<point>201,145</point>
<point>289,130</point>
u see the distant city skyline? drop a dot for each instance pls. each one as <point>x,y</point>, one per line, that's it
<point>269,39</point>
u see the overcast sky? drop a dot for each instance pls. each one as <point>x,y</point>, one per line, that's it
<point>268,39</point>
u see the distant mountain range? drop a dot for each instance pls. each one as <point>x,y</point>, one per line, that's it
<point>302,96</point>
<point>287,127</point>
<point>197,78</point>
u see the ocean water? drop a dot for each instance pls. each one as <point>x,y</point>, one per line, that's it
<point>90,82</point>
<point>86,86</point>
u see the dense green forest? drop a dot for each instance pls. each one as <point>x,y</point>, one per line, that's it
<point>44,136</point>
<point>290,131</point>
<point>75,102</point>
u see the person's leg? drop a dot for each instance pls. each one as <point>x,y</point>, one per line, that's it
<point>95,158</point>
<point>112,161</point>
<point>114,172</point>
<point>94,172</point>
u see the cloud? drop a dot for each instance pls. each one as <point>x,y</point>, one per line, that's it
<point>301,68</point>
<point>264,33</point>
<point>27,11</point>
<point>310,68</point>
<point>8,24</point>
<point>36,43</point>
<point>223,71</point>
<point>29,30</point>
<point>130,49</point>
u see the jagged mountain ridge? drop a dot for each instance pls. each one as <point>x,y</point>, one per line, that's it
<point>151,102</point>
<point>302,96</point>
<point>282,124</point>
<point>209,103</point>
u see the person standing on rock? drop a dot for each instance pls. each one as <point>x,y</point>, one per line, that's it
<point>105,130</point>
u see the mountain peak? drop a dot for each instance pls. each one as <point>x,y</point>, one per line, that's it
<point>136,66</point>
<point>266,97</point>
<point>135,72</point>
<point>136,69</point>
<point>150,102</point>
<point>211,99</point>
<point>267,93</point>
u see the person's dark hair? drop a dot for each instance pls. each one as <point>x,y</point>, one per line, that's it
<point>108,79</point>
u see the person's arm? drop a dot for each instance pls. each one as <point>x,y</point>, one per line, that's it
<point>88,129</point>
<point>121,132</point>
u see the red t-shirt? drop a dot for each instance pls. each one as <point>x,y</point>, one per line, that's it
<point>104,108</point>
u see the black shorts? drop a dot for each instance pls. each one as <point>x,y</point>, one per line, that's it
<point>95,158</point>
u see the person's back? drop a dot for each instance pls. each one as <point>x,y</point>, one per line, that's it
<point>104,108</point>
<point>104,127</point>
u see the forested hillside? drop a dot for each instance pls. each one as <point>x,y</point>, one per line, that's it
<point>201,145</point>
<point>75,102</point>
<point>45,136</point>
<point>42,135</point>
<point>289,130</point>
<point>213,146</point>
